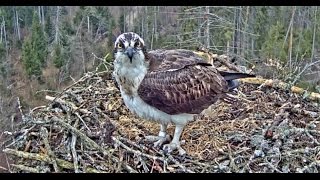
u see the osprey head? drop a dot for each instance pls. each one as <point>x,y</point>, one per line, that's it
<point>129,47</point>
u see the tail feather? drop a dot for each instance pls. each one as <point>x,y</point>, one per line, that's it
<point>232,84</point>
<point>231,78</point>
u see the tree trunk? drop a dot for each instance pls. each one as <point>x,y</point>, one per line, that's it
<point>228,44</point>
<point>5,36</point>
<point>155,23</point>
<point>290,39</point>
<point>245,36</point>
<point>1,31</point>
<point>14,22</point>
<point>152,35</point>
<point>18,26</point>
<point>314,32</point>
<point>208,27</point>
<point>56,39</point>
<point>147,25</point>
<point>42,16</point>
<point>124,19</point>
<point>142,23</point>
<point>39,14</point>
<point>88,23</point>
<point>235,32</point>
<point>239,43</point>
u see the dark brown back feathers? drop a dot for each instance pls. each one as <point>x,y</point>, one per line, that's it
<point>179,81</point>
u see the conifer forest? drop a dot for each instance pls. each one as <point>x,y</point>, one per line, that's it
<point>53,52</point>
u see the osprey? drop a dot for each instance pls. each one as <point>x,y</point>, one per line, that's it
<point>167,86</point>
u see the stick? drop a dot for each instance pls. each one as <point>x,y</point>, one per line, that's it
<point>282,85</point>
<point>89,142</point>
<point>69,104</point>
<point>47,159</point>
<point>214,57</point>
<point>85,125</point>
<point>26,168</point>
<point>179,164</point>
<point>135,151</point>
<point>44,136</point>
<point>20,110</point>
<point>73,150</point>
<point>3,168</point>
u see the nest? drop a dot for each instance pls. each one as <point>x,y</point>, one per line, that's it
<point>87,128</point>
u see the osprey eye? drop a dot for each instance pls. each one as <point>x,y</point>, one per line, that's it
<point>137,44</point>
<point>120,46</point>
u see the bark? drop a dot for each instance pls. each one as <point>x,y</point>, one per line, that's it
<point>314,32</point>
<point>208,27</point>
<point>284,86</point>
<point>56,39</point>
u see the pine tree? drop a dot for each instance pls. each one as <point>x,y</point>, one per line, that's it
<point>34,49</point>
<point>112,25</point>
<point>260,25</point>
<point>2,59</point>
<point>38,40</point>
<point>31,63</point>
<point>58,56</point>
<point>48,28</point>
<point>272,47</point>
<point>121,22</point>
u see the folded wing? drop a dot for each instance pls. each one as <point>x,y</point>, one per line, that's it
<point>179,81</point>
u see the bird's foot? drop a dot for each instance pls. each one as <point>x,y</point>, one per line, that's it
<point>158,140</point>
<point>168,148</point>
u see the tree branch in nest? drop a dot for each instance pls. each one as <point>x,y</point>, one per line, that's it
<point>73,149</point>
<point>26,168</point>
<point>47,159</point>
<point>44,136</point>
<point>210,57</point>
<point>69,104</point>
<point>89,142</point>
<point>284,86</point>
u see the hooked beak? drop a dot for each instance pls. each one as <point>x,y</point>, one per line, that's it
<point>130,51</point>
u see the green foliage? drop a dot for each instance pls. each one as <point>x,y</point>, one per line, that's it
<point>7,15</point>
<point>48,28</point>
<point>58,56</point>
<point>260,26</point>
<point>2,52</point>
<point>189,27</point>
<point>38,40</point>
<point>30,61</point>
<point>311,87</point>
<point>272,47</point>
<point>3,70</point>
<point>121,21</point>
<point>112,25</point>
<point>26,14</point>
<point>34,49</point>
<point>303,43</point>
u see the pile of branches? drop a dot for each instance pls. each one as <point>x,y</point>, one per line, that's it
<point>87,128</point>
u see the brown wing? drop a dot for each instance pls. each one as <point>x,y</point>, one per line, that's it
<point>163,60</point>
<point>180,82</point>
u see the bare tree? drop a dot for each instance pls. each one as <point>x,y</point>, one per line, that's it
<point>291,37</point>
<point>57,25</point>
<point>17,24</point>
<point>314,32</point>
<point>208,27</point>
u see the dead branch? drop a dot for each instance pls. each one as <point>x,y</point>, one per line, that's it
<point>44,136</point>
<point>282,85</point>
<point>25,168</point>
<point>47,159</point>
